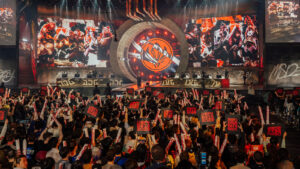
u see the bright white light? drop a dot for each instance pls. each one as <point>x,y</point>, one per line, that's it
<point>25,40</point>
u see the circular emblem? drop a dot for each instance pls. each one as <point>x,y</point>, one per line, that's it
<point>157,54</point>
<point>154,53</point>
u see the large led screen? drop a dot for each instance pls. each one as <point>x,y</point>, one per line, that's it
<point>282,21</point>
<point>223,41</point>
<point>7,22</point>
<point>73,43</point>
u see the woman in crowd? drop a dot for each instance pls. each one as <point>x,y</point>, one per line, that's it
<point>62,131</point>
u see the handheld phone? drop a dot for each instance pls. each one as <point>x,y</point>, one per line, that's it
<point>203,158</point>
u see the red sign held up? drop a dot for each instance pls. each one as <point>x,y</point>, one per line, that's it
<point>44,88</point>
<point>130,91</point>
<point>205,92</point>
<point>3,114</point>
<point>217,92</point>
<point>207,117</point>
<point>134,105</point>
<point>25,90</point>
<point>232,123</point>
<point>92,111</point>
<point>148,89</point>
<point>2,90</point>
<point>219,105</point>
<point>275,131</point>
<point>167,114</point>
<point>143,126</point>
<point>279,91</point>
<point>191,111</point>
<point>161,96</point>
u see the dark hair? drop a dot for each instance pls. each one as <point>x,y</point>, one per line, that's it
<point>240,156</point>
<point>53,142</point>
<point>141,151</point>
<point>77,165</point>
<point>47,135</point>
<point>232,138</point>
<point>184,164</point>
<point>132,134</point>
<point>18,159</point>
<point>158,153</point>
<point>118,148</point>
<point>258,156</point>
<point>283,154</point>
<point>130,164</point>
<point>110,155</point>
<point>48,163</point>
<point>86,156</point>
<point>64,152</point>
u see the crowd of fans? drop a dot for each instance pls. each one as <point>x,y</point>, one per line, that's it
<point>52,131</point>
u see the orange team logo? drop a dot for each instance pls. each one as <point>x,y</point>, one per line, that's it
<point>157,54</point>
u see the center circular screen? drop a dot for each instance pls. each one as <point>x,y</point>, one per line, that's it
<point>153,53</point>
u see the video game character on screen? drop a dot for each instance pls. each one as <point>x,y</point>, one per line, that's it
<point>105,36</point>
<point>45,48</point>
<point>73,43</point>
<point>192,34</point>
<point>225,41</point>
<point>283,13</point>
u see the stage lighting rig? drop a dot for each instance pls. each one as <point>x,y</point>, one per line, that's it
<point>149,9</point>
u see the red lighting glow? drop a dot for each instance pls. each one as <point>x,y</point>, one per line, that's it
<point>134,59</point>
<point>166,33</point>
<point>150,33</point>
<point>150,76</point>
<point>173,36</point>
<point>157,32</point>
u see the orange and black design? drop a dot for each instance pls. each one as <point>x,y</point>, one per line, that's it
<point>154,53</point>
<point>152,47</point>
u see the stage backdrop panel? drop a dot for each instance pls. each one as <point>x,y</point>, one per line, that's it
<point>8,69</point>
<point>282,21</point>
<point>7,22</point>
<point>73,42</point>
<point>228,41</point>
<point>284,74</point>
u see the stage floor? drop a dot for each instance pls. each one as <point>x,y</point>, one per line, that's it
<point>157,84</point>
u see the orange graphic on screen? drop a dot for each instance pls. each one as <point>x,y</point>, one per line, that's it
<point>163,60</point>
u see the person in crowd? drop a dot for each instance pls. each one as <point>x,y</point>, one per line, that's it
<point>20,162</point>
<point>107,90</point>
<point>96,90</point>
<point>58,131</point>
